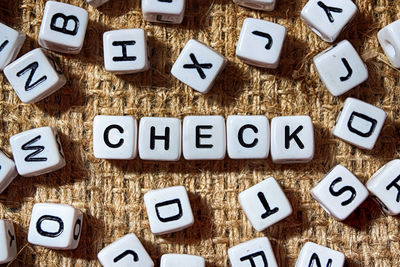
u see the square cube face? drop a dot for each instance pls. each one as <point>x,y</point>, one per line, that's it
<point>114,137</point>
<point>198,66</point>
<point>34,76</point>
<point>260,43</point>
<point>8,245</point>
<point>390,41</point>
<point>265,204</point>
<point>164,11</point>
<point>340,68</point>
<point>328,18</point>
<point>339,193</point>
<point>63,27</point>
<point>168,210</point>
<point>359,123</point>
<point>256,252</point>
<point>56,226</point>
<point>11,42</point>
<point>7,171</point>
<point>160,139</point>
<point>266,5</point>
<point>126,251</point>
<point>312,254</point>
<point>292,139</point>
<point>181,260</point>
<point>37,151</point>
<point>385,186</point>
<point>204,138</point>
<point>126,51</point>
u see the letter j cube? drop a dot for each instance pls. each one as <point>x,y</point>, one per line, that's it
<point>168,210</point>
<point>359,123</point>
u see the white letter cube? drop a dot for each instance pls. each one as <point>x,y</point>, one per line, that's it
<point>37,151</point>
<point>126,251</point>
<point>265,204</point>
<point>389,39</point>
<point>359,123</point>
<point>96,3</point>
<point>114,137</point>
<point>340,68</point>
<point>256,252</point>
<point>339,193</point>
<point>260,43</point>
<point>266,5</point>
<point>181,260</point>
<point>328,18</point>
<point>63,27</point>
<point>248,137</point>
<point>34,76</point>
<point>56,226</point>
<point>311,254</point>
<point>7,171</point>
<point>168,210</point>
<point>160,138</point>
<point>198,66</point>
<point>164,11</point>
<point>292,139</point>
<point>385,186</point>
<point>8,244</point>
<point>204,138</point>
<point>126,51</point>
<point>11,42</point>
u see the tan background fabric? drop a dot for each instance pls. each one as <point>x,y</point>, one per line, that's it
<point>110,193</point>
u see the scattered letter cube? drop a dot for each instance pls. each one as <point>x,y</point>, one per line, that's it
<point>34,76</point>
<point>8,244</point>
<point>389,38</point>
<point>63,27</point>
<point>7,171</point>
<point>198,66</point>
<point>316,255</point>
<point>163,11</point>
<point>168,210</point>
<point>328,18</point>
<point>11,42</point>
<point>56,226</point>
<point>260,43</point>
<point>359,123</point>
<point>37,151</point>
<point>266,5</point>
<point>339,193</point>
<point>181,260</point>
<point>340,68</point>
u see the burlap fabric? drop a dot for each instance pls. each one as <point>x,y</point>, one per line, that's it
<point>110,193</point>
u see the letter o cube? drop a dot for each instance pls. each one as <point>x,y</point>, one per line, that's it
<point>56,226</point>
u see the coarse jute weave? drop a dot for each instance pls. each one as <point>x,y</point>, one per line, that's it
<point>110,193</point>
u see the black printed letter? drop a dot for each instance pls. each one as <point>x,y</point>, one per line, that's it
<point>50,218</point>
<point>268,210</point>
<point>124,52</point>
<point>329,9</point>
<point>64,28</point>
<point>32,67</point>
<point>342,191</point>
<point>395,184</point>
<point>126,253</point>
<point>289,137</point>
<point>164,137</point>
<point>37,150</point>
<point>254,255</point>
<point>107,132</point>
<point>349,70</point>
<point>199,136</point>
<point>364,117</point>
<point>4,44</point>
<point>315,258</point>
<point>167,203</point>
<point>240,136</point>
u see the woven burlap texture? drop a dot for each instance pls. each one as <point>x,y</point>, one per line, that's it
<point>110,193</point>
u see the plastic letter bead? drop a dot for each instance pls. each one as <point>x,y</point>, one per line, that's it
<point>385,187</point>
<point>181,260</point>
<point>126,251</point>
<point>7,171</point>
<point>260,43</point>
<point>11,42</point>
<point>266,5</point>
<point>389,39</point>
<point>265,204</point>
<point>256,252</point>
<point>63,27</point>
<point>339,193</point>
<point>328,18</point>
<point>56,226</point>
<point>316,255</point>
<point>163,11</point>
<point>359,123</point>
<point>168,210</point>
<point>340,68</point>
<point>198,66</point>
<point>96,3</point>
<point>37,151</point>
<point>8,243</point>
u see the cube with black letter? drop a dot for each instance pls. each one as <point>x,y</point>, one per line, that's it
<point>339,193</point>
<point>11,42</point>
<point>8,243</point>
<point>7,171</point>
<point>114,137</point>
<point>359,123</point>
<point>34,76</point>
<point>168,210</point>
<point>316,255</point>
<point>385,187</point>
<point>63,27</point>
<point>292,139</point>
<point>164,11</point>
<point>56,226</point>
<point>256,252</point>
<point>37,151</point>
